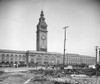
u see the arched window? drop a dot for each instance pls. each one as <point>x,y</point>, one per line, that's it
<point>3,57</point>
<point>7,57</point>
<point>53,60</point>
<point>16,57</point>
<point>39,59</point>
<point>46,59</point>
<point>11,57</point>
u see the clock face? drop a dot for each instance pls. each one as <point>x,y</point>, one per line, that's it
<point>43,37</point>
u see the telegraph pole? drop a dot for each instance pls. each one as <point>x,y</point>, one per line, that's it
<point>96,49</point>
<point>64,45</point>
<point>99,55</point>
<point>96,53</point>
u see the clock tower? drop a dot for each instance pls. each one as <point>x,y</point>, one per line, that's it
<point>41,38</point>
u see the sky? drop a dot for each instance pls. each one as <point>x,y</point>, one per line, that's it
<point>19,18</point>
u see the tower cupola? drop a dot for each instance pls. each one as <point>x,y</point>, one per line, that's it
<point>42,23</point>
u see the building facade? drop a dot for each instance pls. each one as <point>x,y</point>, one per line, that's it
<point>76,59</point>
<point>41,56</point>
<point>10,57</point>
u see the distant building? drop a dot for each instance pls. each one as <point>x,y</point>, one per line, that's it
<point>74,59</point>
<point>41,56</point>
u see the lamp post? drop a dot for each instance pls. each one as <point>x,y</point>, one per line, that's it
<point>64,45</point>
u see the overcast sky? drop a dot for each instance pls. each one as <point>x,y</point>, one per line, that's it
<point>19,18</point>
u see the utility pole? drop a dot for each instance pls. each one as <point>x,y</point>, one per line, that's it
<point>96,53</point>
<point>96,49</point>
<point>64,45</point>
<point>99,55</point>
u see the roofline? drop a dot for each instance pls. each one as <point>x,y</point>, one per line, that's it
<point>12,51</point>
<point>41,52</point>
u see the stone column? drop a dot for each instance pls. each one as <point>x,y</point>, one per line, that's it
<point>27,58</point>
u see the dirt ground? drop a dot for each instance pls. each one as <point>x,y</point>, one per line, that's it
<point>15,78</point>
<point>18,76</point>
<point>21,75</point>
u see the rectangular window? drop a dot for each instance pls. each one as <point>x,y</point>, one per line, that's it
<point>11,57</point>
<point>24,57</point>
<point>15,57</point>
<point>19,57</point>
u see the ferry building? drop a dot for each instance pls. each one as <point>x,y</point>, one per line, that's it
<point>41,55</point>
